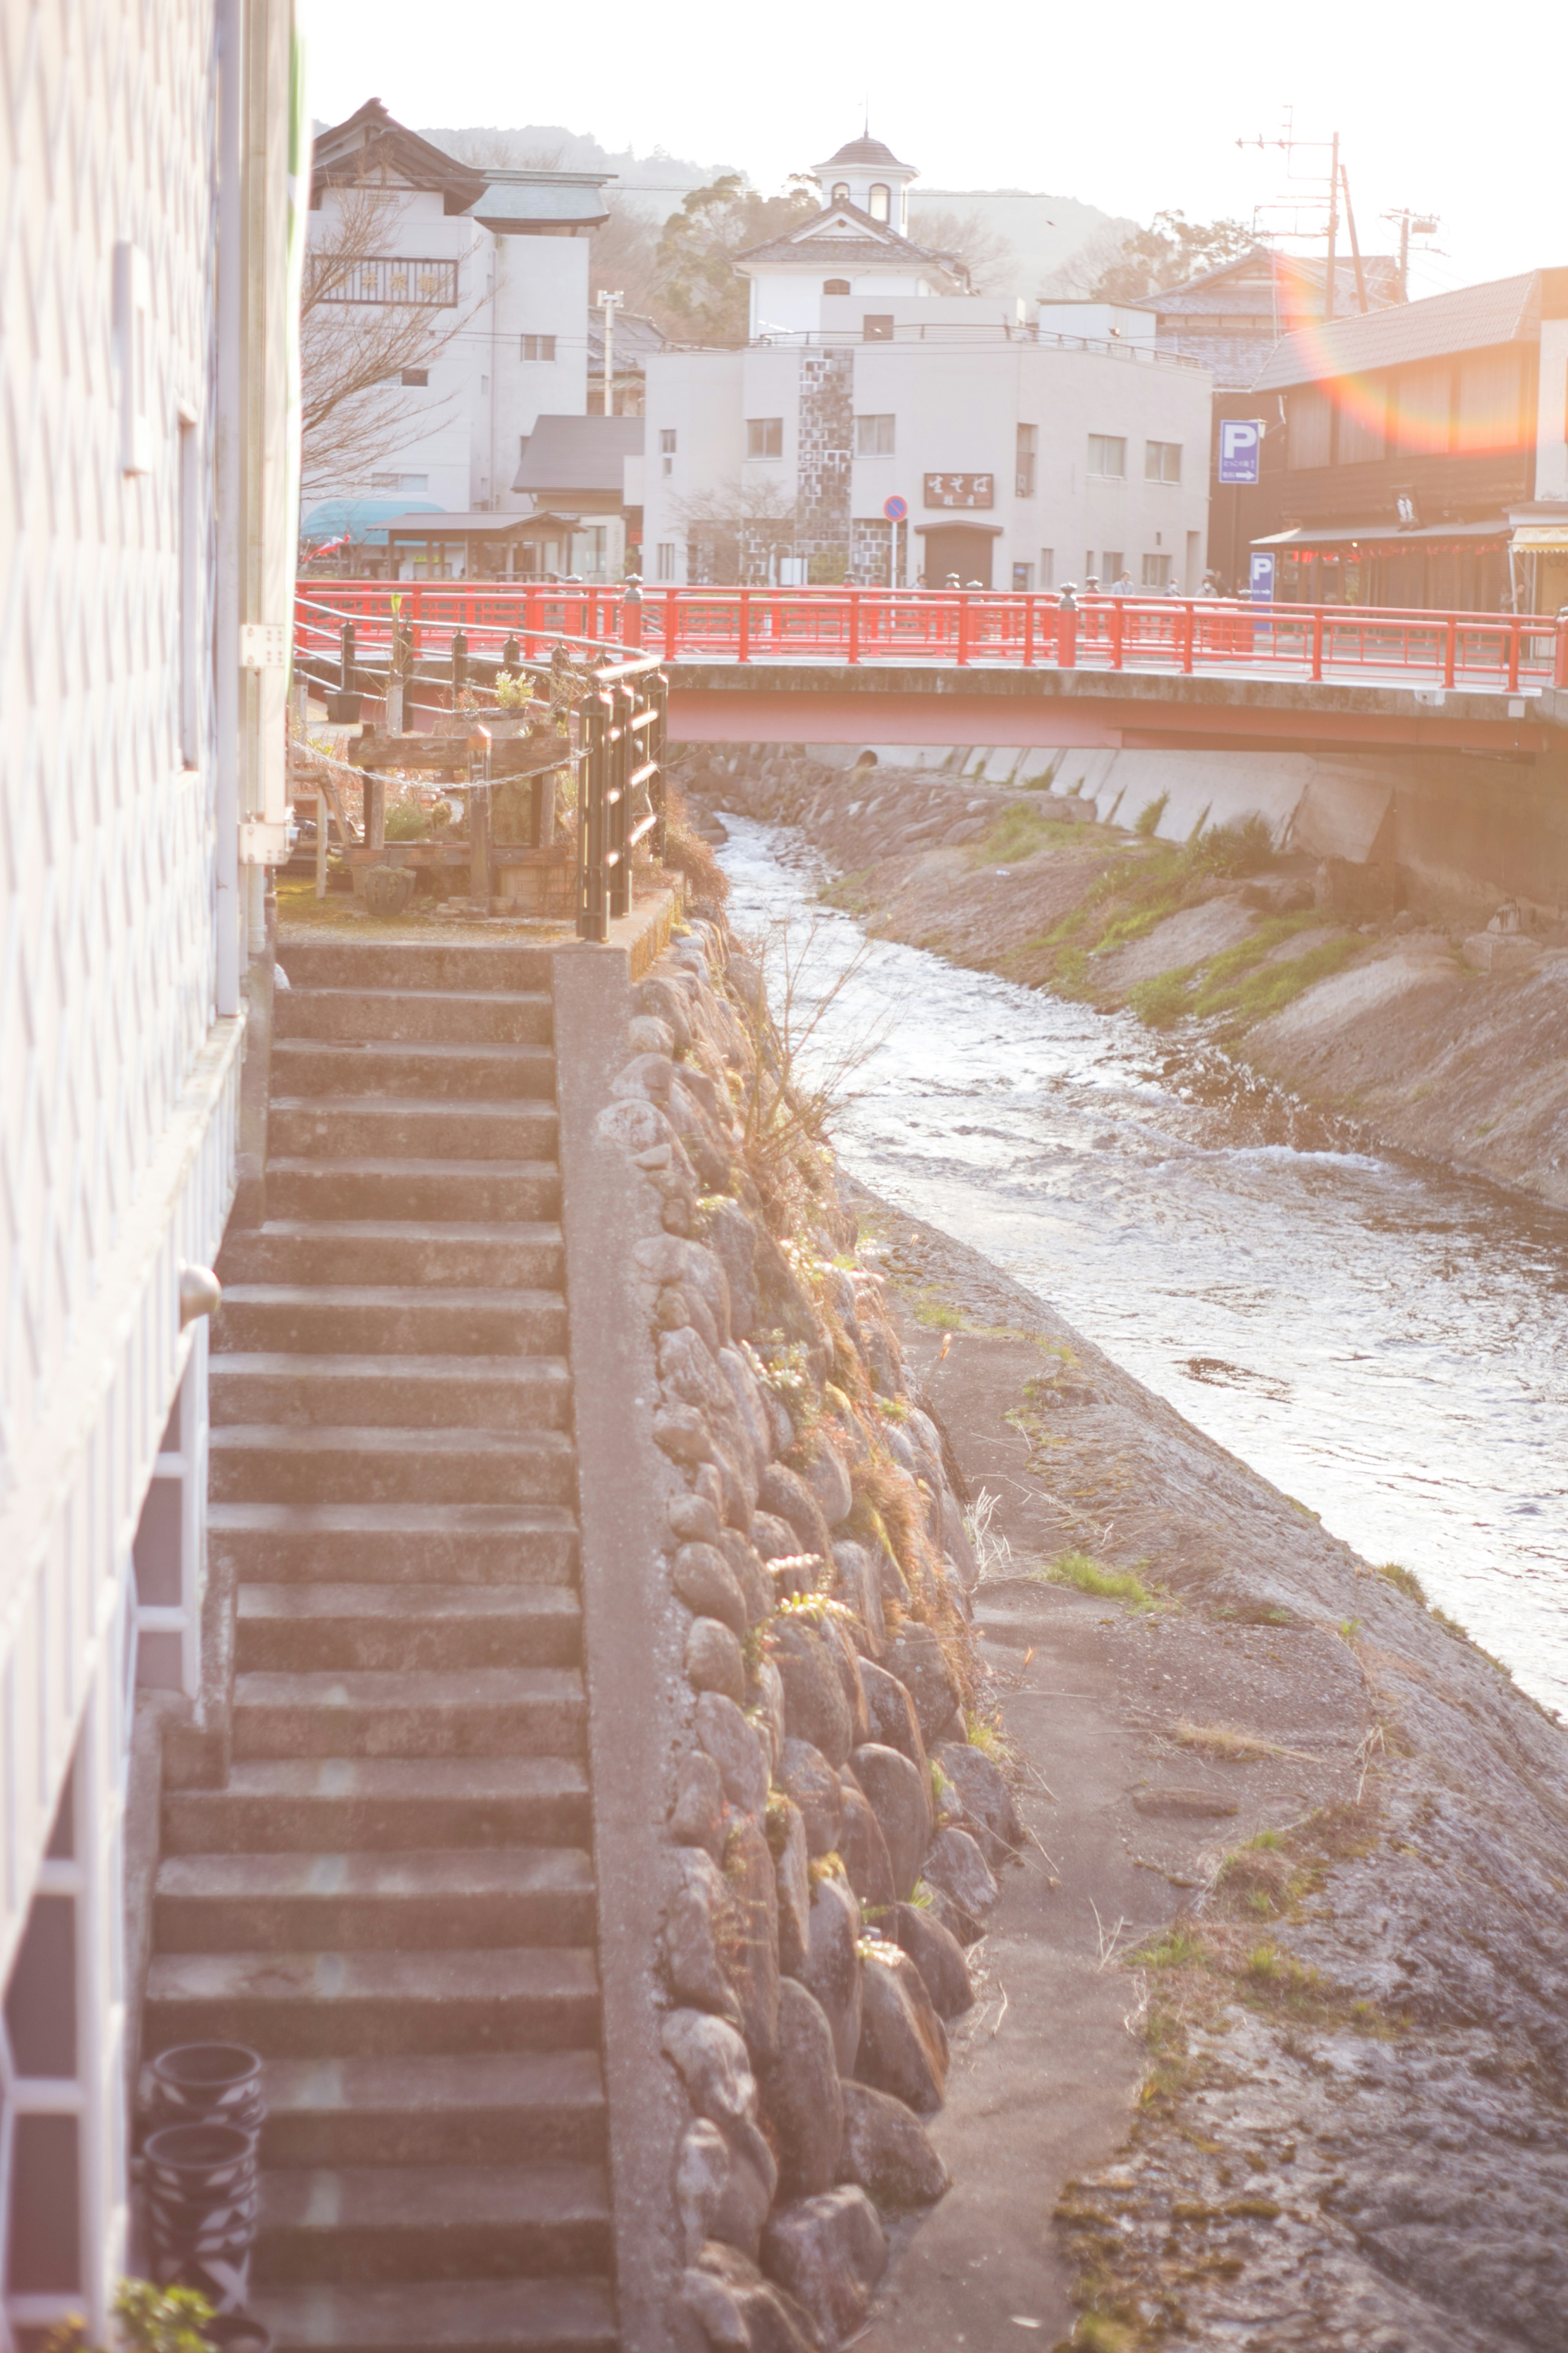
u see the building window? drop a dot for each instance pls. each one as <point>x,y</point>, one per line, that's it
<point>667,439</point>
<point>881,203</point>
<point>1047,567</point>
<point>835,286</point>
<point>840,192</point>
<point>874,437</point>
<point>1112,565</point>
<point>876,327</point>
<point>665,564</point>
<point>764,437</point>
<point>1028,447</point>
<point>1156,572</point>
<point>414,481</point>
<point>539,347</point>
<point>1162,461</point>
<point>1023,578</point>
<point>383,481</point>
<point>416,376</point>
<point>1108,457</point>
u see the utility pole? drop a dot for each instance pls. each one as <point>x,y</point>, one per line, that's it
<point>1337,181</point>
<point>1411,224</point>
<point>607,304</point>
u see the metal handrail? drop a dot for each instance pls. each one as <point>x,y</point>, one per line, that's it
<point>961,628</point>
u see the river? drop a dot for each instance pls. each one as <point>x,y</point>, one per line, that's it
<point>1386,1341</point>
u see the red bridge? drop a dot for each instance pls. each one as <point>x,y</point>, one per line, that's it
<point>831,665</point>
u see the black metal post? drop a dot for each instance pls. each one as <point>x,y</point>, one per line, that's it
<point>346,658</point>
<point>459,662</point>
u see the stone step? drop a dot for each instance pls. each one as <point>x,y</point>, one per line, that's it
<point>492,2107</point>
<point>372,2003</point>
<point>388,1319</point>
<point>416,1016</point>
<point>339,1902</point>
<point>438,1392</point>
<point>524,2316</point>
<point>479,1711</point>
<point>304,1629</point>
<point>423,2222</point>
<point>468,1190</point>
<point>361,1127</point>
<point>339,963</point>
<point>326,1066</point>
<point>334,1805</point>
<point>387,1544</point>
<point>271,1463</point>
<point>394,1252</point>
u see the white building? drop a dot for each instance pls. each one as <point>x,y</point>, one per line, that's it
<point>149,520</point>
<point>502,259</point>
<point>1029,443</point>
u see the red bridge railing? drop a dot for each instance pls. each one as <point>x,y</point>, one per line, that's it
<point>1187,636</point>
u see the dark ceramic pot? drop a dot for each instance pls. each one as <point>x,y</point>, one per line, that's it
<point>202,2209</point>
<point>208,2083</point>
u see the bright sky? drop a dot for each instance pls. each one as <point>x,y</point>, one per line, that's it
<point>1131,107</point>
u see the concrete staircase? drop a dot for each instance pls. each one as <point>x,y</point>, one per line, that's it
<point>393,1898</point>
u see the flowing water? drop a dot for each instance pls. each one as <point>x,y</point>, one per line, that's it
<point>1387,1342</point>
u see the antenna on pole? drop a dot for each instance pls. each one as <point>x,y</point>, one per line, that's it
<point>1288,144</point>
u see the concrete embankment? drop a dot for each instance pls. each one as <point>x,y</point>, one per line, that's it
<point>1271,2050</point>
<point>1362,978</point>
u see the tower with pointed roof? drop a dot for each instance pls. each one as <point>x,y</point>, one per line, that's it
<point>869,177</point>
<point>857,243</point>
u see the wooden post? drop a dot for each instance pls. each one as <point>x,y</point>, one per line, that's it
<point>320,842</point>
<point>374,811</point>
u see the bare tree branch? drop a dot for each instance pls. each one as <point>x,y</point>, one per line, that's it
<point>738,526</point>
<point>968,238</point>
<point>354,406</point>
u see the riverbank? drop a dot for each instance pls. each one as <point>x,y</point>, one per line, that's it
<point>1311,973</point>
<point>1309,1845</point>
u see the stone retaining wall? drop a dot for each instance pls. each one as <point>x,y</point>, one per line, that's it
<point>830,1836</point>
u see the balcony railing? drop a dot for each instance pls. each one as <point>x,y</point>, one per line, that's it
<point>389,278</point>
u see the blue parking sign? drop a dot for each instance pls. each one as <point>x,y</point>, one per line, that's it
<point>1240,441</point>
<point>1261,580</point>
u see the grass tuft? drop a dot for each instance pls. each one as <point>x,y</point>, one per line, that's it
<point>1086,1575</point>
<point>1225,1740</point>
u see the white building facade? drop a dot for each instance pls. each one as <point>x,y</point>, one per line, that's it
<point>147,551</point>
<point>1027,446</point>
<point>502,261</point>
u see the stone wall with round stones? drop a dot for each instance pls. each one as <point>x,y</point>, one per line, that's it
<point>833,1836</point>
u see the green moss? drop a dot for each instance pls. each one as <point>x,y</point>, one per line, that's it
<point>1165,998</point>
<point>1018,833</point>
<point>1086,1575</point>
<point>1147,820</point>
<point>1273,986</point>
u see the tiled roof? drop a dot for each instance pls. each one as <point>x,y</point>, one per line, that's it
<point>874,243</point>
<point>864,150</point>
<point>578,453</point>
<point>1504,310</point>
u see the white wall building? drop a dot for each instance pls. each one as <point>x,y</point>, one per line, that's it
<point>503,259</point>
<point>1031,445</point>
<point>147,556</point>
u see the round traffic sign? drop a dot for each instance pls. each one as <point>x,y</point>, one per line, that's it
<point>895,508</point>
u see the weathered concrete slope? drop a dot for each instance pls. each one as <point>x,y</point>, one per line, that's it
<point>1355,2102</point>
